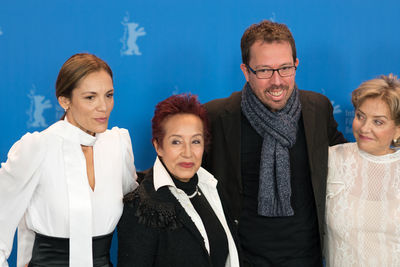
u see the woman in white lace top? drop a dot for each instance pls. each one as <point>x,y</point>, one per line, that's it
<point>363,188</point>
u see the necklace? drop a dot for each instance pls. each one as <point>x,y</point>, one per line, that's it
<point>195,193</point>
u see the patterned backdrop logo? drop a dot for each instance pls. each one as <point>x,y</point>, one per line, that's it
<point>1,31</point>
<point>348,121</point>
<point>347,116</point>
<point>38,104</point>
<point>273,17</point>
<point>128,40</point>
<point>336,108</point>
<point>176,90</point>
<point>59,112</point>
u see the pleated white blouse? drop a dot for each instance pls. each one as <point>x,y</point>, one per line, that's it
<point>44,188</point>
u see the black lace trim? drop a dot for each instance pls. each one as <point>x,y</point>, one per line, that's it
<point>153,212</point>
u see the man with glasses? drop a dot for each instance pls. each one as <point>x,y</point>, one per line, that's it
<point>269,153</point>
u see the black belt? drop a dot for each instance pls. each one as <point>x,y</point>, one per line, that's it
<point>54,251</point>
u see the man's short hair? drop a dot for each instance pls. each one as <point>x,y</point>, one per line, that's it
<point>268,32</point>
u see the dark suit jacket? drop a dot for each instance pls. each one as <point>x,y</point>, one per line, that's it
<point>223,157</point>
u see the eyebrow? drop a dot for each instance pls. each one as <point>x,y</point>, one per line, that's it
<point>94,93</point>
<point>375,116</point>
<point>177,135</point>
<point>280,66</point>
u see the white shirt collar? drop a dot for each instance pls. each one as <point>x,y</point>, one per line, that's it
<point>162,177</point>
<point>72,133</point>
<point>380,159</point>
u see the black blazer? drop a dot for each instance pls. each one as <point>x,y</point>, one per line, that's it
<point>155,230</point>
<point>223,157</point>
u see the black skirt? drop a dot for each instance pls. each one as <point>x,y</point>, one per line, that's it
<point>54,251</point>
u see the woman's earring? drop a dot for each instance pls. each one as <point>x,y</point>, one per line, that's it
<point>396,142</point>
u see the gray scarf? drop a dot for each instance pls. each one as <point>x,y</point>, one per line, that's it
<point>279,130</point>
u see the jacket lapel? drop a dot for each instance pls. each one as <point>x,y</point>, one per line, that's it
<point>309,120</point>
<point>188,223</point>
<point>231,121</point>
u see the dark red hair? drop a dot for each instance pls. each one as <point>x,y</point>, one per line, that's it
<point>178,104</point>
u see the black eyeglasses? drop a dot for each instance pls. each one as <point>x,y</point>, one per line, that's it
<point>266,73</point>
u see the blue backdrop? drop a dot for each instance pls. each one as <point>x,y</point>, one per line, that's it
<point>159,48</point>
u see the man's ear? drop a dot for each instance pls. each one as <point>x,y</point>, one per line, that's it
<point>245,71</point>
<point>297,62</point>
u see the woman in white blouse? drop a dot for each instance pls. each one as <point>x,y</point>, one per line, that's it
<point>63,187</point>
<point>363,188</point>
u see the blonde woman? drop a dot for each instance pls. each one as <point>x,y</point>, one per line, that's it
<point>363,187</point>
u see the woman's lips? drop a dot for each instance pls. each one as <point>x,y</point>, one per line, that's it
<point>186,164</point>
<point>364,138</point>
<point>101,120</point>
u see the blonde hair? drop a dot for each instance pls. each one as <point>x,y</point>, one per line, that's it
<point>386,88</point>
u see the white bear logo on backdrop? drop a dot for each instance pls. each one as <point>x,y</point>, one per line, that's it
<point>128,40</point>
<point>336,108</point>
<point>37,107</point>
<point>348,115</point>
<point>273,17</point>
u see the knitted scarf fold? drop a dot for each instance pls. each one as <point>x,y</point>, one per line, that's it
<point>279,130</point>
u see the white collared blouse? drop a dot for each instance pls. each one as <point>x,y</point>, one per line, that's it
<point>44,188</point>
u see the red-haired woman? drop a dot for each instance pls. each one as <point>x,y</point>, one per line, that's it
<point>175,217</point>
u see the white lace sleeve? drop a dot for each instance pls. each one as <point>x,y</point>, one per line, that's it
<point>334,184</point>
<point>17,185</point>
